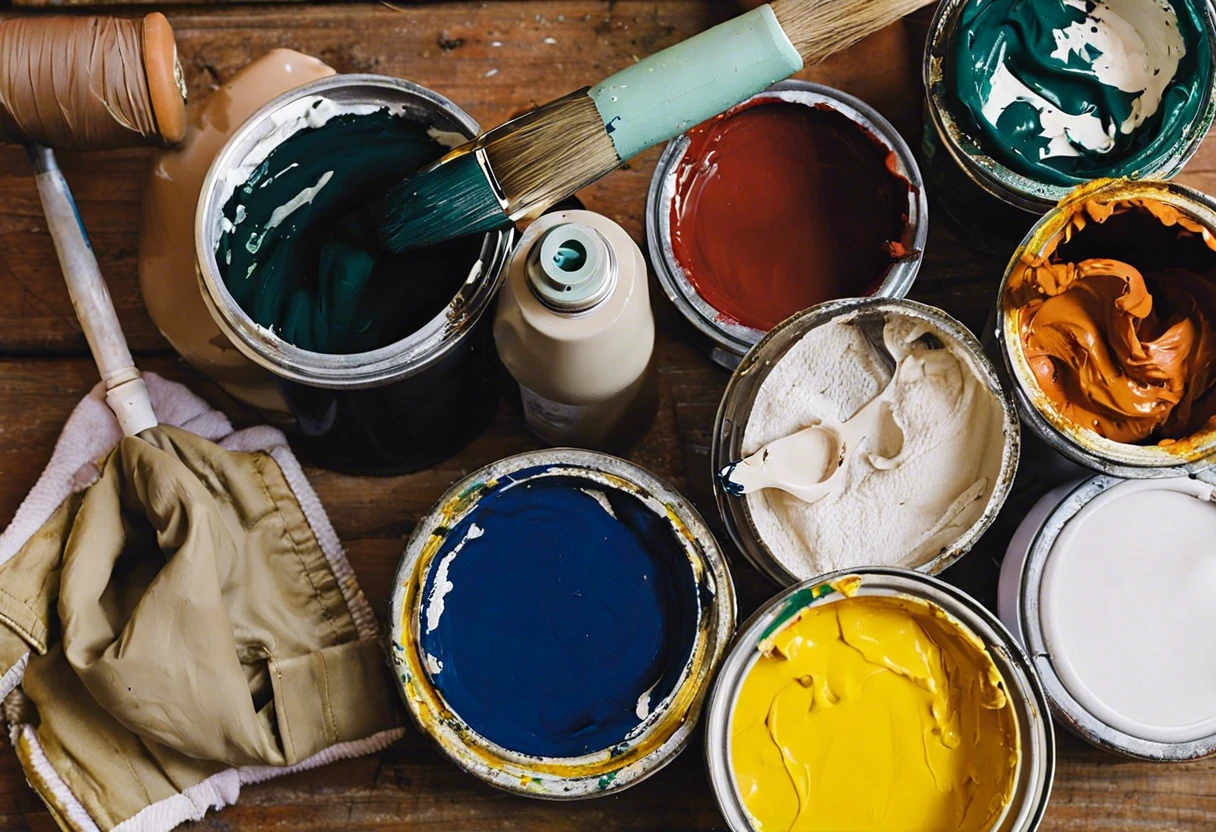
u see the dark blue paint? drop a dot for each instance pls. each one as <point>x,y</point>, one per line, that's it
<point>560,616</point>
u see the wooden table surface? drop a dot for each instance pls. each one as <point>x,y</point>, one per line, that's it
<point>492,58</point>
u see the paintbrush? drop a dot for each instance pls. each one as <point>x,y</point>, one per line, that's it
<point>522,167</point>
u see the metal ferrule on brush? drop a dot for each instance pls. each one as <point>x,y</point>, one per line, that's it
<point>545,155</point>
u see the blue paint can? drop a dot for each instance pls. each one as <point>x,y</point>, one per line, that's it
<point>557,620</point>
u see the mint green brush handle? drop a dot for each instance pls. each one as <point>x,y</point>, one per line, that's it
<point>665,94</point>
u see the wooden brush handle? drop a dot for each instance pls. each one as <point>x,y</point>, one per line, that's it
<point>819,28</point>
<point>90,83</point>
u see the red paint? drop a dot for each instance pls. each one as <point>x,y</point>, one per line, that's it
<point>780,206</point>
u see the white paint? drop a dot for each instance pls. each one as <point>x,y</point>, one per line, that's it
<point>915,483</point>
<point>1128,608</point>
<point>643,708</point>
<point>297,202</point>
<point>1138,48</point>
<point>447,138</point>
<point>601,498</point>
<point>442,586</point>
<point>433,665</point>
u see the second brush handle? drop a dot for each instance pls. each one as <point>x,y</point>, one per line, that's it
<point>125,391</point>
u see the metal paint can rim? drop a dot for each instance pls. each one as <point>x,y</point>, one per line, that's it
<point>731,338</point>
<point>1036,736</point>
<point>994,177</point>
<point>739,396</point>
<point>671,725</point>
<point>401,359</point>
<point>1077,443</point>
<point>1020,586</point>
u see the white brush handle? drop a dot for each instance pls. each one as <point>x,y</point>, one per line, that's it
<point>126,393</point>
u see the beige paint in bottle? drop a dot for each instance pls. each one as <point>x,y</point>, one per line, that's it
<point>575,329</point>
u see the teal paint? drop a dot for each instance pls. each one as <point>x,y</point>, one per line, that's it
<point>1019,36</point>
<point>318,275</point>
<point>665,94</point>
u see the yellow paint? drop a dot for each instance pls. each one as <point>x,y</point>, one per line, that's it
<point>874,713</point>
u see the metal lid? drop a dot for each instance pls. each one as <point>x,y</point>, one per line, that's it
<point>572,268</point>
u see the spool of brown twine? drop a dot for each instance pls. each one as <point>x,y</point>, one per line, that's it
<point>90,83</point>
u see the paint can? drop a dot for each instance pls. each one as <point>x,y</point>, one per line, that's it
<point>1045,606</point>
<point>989,203</point>
<point>726,337</point>
<point>396,408</point>
<point>1077,442</point>
<point>1036,739</point>
<point>739,402</point>
<point>431,599</point>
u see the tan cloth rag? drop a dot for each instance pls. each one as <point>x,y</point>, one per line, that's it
<point>184,624</point>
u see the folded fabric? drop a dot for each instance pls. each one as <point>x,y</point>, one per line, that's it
<point>178,619</point>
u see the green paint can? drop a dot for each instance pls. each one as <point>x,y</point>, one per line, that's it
<point>1026,100</point>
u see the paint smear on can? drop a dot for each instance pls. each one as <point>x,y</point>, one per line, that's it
<point>559,615</point>
<point>878,713</point>
<point>780,206</point>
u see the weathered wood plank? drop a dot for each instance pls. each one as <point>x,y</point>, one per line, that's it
<point>410,786</point>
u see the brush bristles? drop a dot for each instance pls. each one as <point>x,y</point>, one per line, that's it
<point>451,199</point>
<point>819,28</point>
<point>546,155</point>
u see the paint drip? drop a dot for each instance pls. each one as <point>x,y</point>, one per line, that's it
<point>559,615</point>
<point>1065,91</point>
<point>780,206</point>
<point>878,713</point>
<point>1117,318</point>
<point>300,252</point>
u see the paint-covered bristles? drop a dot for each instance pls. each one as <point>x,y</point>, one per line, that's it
<point>421,210</point>
<point>536,160</point>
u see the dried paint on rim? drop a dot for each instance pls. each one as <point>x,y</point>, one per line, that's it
<point>1036,765</point>
<point>662,734</point>
<point>731,338</point>
<point>1020,589</point>
<point>736,406</point>
<point>1081,444</point>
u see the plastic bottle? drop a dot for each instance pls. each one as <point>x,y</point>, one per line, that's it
<point>574,327</point>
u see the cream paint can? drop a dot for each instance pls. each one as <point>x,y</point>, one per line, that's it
<point>1110,585</point>
<point>1036,757</point>
<point>997,438</point>
<point>575,329</point>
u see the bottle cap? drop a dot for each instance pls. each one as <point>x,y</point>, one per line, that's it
<point>571,268</point>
